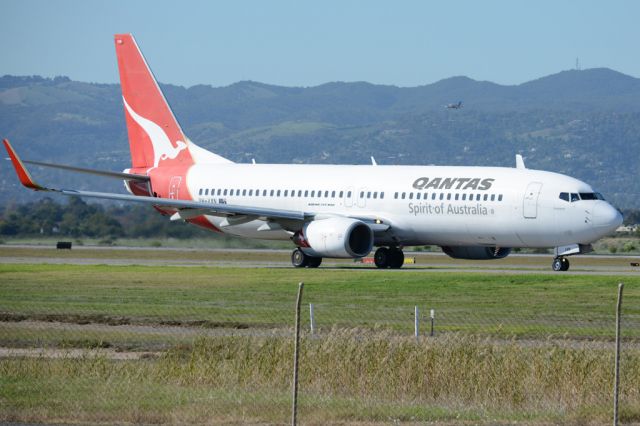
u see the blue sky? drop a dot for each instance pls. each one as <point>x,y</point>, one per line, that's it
<point>301,43</point>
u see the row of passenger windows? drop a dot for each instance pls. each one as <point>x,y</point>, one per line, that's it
<point>574,196</point>
<point>332,194</point>
<point>448,196</point>
<point>285,193</point>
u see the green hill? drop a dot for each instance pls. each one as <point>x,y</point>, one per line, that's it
<point>582,123</point>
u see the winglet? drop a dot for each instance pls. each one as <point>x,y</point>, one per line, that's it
<point>520,162</point>
<point>21,170</point>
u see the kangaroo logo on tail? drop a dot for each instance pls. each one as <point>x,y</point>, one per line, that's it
<point>163,149</point>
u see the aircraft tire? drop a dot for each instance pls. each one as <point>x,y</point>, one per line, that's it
<point>558,264</point>
<point>299,259</point>
<point>396,258</point>
<point>381,257</point>
<point>313,262</point>
<point>565,264</point>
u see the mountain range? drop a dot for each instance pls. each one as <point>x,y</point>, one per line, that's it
<point>583,123</point>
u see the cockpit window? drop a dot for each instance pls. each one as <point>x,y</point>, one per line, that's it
<point>574,197</point>
<point>591,196</point>
<point>564,196</point>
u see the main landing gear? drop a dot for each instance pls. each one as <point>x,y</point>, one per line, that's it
<point>391,257</point>
<point>560,263</point>
<point>300,259</point>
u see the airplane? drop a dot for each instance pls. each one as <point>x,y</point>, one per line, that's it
<point>340,211</point>
<point>454,106</point>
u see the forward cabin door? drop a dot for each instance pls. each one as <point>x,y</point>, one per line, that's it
<point>530,202</point>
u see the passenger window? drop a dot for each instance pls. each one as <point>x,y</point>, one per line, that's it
<point>493,197</point>
<point>349,194</point>
<point>271,193</point>
<point>244,192</point>
<point>395,196</point>
<point>206,191</point>
<point>333,194</point>
<point>299,192</point>
<point>219,191</point>
<point>564,196</point>
<point>411,195</point>
<point>449,196</point>
<point>369,194</point>
<point>500,197</point>
<point>478,196</point>
<point>382,195</point>
<point>464,197</point>
<point>457,196</point>
<point>574,197</point>
<point>417,195</point>
<point>326,194</point>
<point>486,197</point>
<point>225,192</point>
<point>286,192</point>
<point>403,195</point>
<point>306,192</point>
<point>319,194</point>
<point>278,193</point>
<point>433,196</point>
<point>442,196</point>
<point>375,195</point>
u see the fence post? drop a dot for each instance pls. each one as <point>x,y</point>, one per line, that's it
<point>616,384</point>
<point>312,320</point>
<point>296,348</point>
<point>433,319</point>
<point>416,322</point>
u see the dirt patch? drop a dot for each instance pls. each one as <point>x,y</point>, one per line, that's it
<point>52,353</point>
<point>120,320</point>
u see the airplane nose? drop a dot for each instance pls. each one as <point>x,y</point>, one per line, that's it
<point>606,216</point>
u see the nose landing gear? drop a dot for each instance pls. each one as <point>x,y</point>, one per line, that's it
<point>560,263</point>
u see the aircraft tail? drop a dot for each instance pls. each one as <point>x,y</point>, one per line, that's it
<point>155,136</point>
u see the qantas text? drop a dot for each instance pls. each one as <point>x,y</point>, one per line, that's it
<point>453,183</point>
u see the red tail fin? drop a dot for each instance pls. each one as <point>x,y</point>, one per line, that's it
<point>155,137</point>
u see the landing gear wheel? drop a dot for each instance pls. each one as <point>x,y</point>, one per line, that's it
<point>381,258</point>
<point>299,259</point>
<point>313,262</point>
<point>396,258</point>
<point>560,264</point>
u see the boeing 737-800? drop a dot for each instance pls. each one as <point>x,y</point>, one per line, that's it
<point>341,211</point>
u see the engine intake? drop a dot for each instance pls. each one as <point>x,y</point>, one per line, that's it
<point>476,252</point>
<point>338,237</point>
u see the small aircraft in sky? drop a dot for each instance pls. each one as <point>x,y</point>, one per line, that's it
<point>454,106</point>
<point>340,211</point>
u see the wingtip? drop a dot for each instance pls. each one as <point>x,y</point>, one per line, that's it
<point>22,172</point>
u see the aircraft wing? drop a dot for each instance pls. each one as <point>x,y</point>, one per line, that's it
<point>186,208</point>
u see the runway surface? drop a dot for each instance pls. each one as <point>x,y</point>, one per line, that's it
<point>246,258</point>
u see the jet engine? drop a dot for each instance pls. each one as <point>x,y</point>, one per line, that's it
<point>476,252</point>
<point>340,237</point>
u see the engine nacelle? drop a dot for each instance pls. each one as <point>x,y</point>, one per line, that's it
<point>476,252</point>
<point>339,237</point>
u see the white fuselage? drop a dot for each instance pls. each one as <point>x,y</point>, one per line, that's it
<point>446,206</point>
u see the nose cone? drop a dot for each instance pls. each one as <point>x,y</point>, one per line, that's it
<point>606,217</point>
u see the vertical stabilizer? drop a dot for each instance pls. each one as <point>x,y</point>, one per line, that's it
<point>155,137</point>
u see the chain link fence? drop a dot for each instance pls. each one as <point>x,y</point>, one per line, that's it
<point>96,350</point>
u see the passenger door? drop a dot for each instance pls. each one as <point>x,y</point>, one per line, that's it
<point>530,202</point>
